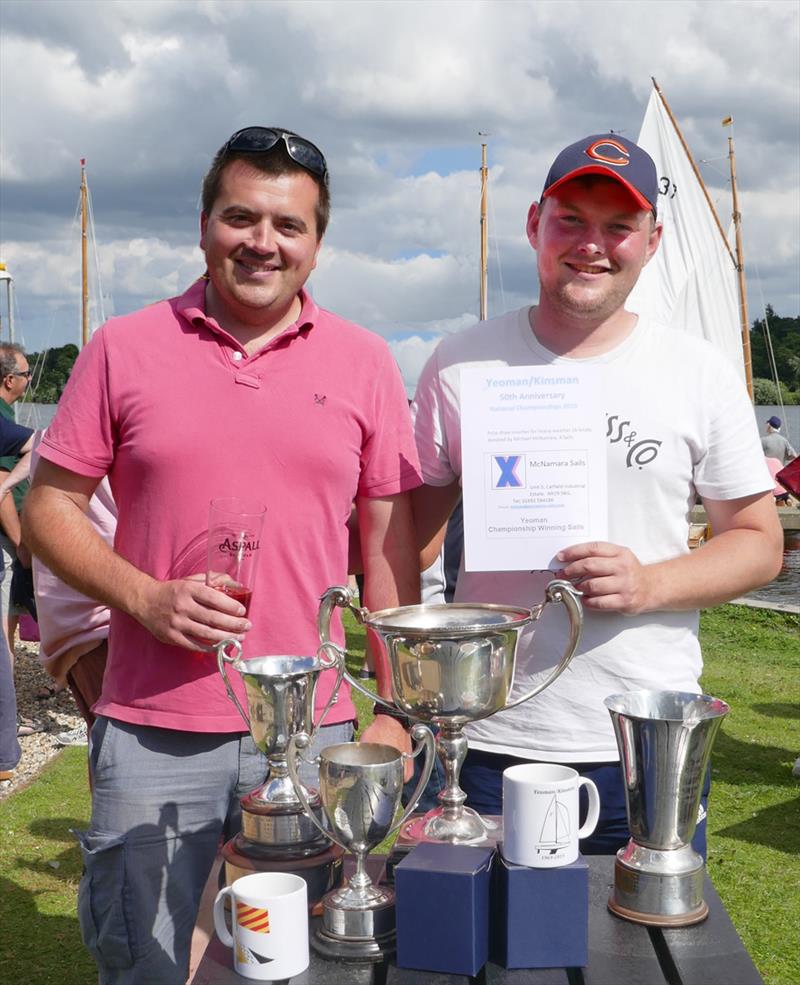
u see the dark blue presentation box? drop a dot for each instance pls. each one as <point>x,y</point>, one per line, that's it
<point>540,917</point>
<point>443,908</point>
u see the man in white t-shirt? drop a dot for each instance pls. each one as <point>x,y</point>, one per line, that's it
<point>678,424</point>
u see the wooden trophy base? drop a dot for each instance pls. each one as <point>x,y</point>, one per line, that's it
<point>321,872</point>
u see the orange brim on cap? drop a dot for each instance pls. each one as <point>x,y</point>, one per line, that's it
<point>637,196</point>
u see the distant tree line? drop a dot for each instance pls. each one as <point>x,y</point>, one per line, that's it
<point>51,378</point>
<point>785,336</point>
<point>51,370</point>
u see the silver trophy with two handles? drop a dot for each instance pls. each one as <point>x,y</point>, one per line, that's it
<point>360,784</point>
<point>278,830</point>
<point>451,664</point>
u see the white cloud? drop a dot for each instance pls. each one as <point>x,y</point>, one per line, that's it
<point>411,355</point>
<point>148,91</point>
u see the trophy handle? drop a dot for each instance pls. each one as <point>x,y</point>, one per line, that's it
<point>337,661</point>
<point>341,597</point>
<point>222,659</point>
<point>559,591</point>
<point>422,735</point>
<point>298,742</point>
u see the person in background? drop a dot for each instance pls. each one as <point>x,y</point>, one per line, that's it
<point>775,445</point>
<point>593,229</point>
<point>15,375</point>
<point>74,629</point>
<point>242,386</point>
<point>15,441</point>
<point>780,495</point>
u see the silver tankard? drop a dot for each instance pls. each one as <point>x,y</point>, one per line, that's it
<point>665,740</point>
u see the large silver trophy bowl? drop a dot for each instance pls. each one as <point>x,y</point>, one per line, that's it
<point>280,700</point>
<point>451,665</point>
<point>360,787</point>
<point>665,740</point>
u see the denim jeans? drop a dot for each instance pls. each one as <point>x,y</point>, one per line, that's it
<point>9,744</point>
<point>160,802</point>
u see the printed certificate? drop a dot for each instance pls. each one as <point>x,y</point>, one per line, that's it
<point>534,464</point>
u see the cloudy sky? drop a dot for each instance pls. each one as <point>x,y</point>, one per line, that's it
<point>395,94</point>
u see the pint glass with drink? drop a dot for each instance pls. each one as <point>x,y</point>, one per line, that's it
<point>234,546</point>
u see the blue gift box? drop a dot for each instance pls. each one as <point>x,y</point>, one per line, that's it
<point>540,917</point>
<point>443,908</point>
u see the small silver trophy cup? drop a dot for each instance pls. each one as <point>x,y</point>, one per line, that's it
<point>360,787</point>
<point>277,834</point>
<point>451,665</point>
<point>665,740</point>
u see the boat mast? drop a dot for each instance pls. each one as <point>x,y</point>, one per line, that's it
<point>84,257</point>
<point>9,281</point>
<point>735,259</point>
<point>484,233</point>
<point>737,224</point>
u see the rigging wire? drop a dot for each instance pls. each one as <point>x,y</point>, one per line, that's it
<point>41,357</point>
<point>75,236</point>
<point>38,362</point>
<point>768,339</point>
<point>765,329</point>
<point>95,256</point>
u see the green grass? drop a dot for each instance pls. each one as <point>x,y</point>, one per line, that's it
<point>356,641</point>
<point>752,660</point>
<point>40,866</point>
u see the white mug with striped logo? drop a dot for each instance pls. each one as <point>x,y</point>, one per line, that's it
<point>269,916</point>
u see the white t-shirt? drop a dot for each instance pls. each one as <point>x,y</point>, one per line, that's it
<point>678,422</point>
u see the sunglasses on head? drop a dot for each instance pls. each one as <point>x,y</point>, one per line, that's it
<point>260,140</point>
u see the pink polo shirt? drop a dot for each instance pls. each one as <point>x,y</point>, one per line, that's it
<point>175,412</point>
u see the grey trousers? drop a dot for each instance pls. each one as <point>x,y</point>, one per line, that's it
<point>161,801</point>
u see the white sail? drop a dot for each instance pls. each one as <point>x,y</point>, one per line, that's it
<point>691,282</point>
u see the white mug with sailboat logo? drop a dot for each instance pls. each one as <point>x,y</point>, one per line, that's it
<point>541,825</point>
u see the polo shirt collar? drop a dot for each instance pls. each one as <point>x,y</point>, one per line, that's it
<point>192,306</point>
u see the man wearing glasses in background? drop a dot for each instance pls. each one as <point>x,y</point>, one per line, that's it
<point>241,386</point>
<point>15,375</point>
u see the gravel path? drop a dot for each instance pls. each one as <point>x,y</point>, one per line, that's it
<point>55,715</point>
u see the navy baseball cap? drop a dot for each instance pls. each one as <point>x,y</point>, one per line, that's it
<point>610,155</point>
<point>774,422</point>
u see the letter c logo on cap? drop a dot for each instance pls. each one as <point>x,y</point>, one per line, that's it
<point>601,150</point>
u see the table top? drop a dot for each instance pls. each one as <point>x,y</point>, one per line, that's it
<point>620,953</point>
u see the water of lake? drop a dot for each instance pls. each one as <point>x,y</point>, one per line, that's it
<point>786,587</point>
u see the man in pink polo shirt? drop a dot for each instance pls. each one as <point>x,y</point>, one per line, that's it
<point>241,386</point>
